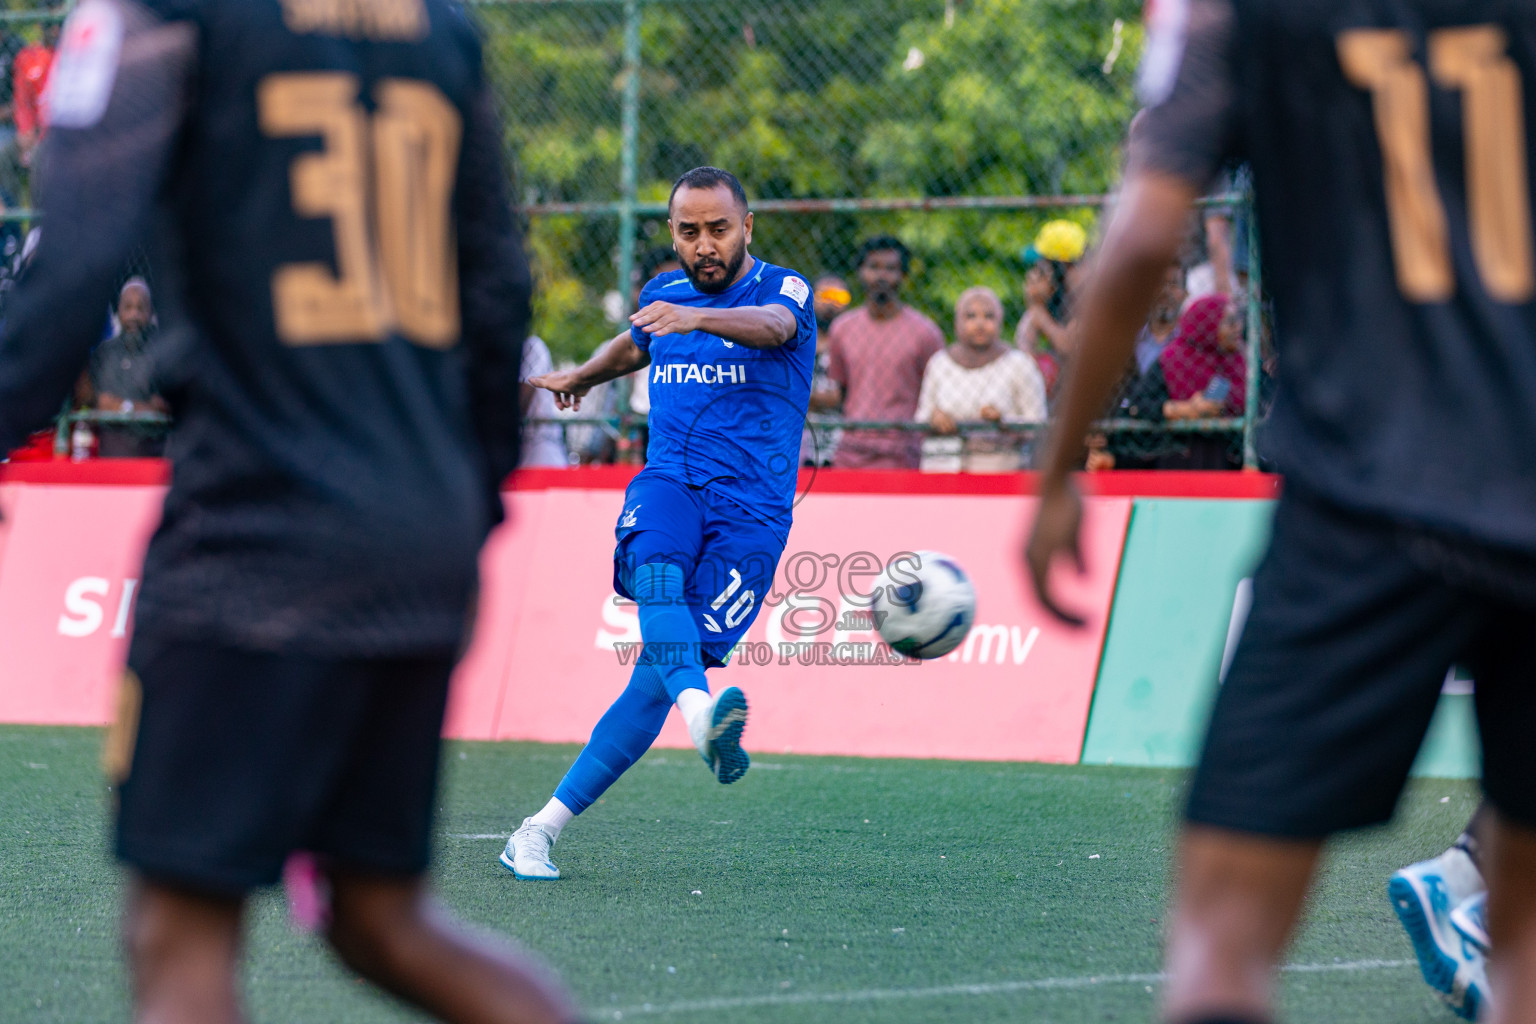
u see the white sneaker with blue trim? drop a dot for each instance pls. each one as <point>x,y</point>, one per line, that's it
<point>1470,919</point>
<point>527,854</point>
<point>718,735</point>
<point>1423,895</point>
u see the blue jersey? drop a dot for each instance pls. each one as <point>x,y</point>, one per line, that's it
<point>724,417</point>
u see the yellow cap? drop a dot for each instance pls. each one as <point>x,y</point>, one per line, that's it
<point>1062,241</point>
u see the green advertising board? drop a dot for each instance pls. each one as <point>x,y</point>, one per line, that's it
<point>1184,562</point>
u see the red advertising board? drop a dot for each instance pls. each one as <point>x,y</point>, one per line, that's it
<point>479,686</point>
<point>8,496</point>
<point>1019,688</point>
<point>554,645</point>
<point>69,571</point>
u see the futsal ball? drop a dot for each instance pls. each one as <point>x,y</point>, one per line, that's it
<point>924,604</point>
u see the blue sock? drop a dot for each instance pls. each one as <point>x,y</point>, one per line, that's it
<point>667,627</point>
<point>668,665</point>
<point>620,737</point>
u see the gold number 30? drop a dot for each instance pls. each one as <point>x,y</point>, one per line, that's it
<point>1475,61</point>
<point>395,269</point>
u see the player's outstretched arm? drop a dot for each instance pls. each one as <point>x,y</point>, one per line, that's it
<point>1190,126</point>
<point>1142,241</point>
<point>616,358</point>
<point>753,326</point>
<point>115,113</point>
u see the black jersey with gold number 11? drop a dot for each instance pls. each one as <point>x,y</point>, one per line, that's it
<point>1391,151</point>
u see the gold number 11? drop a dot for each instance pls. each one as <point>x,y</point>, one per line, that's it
<point>1474,60</point>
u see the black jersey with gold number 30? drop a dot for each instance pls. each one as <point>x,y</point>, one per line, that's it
<point>344,300</point>
<point>1391,148</point>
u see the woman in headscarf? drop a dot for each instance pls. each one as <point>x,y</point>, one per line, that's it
<point>1206,349</point>
<point>1205,375</point>
<point>978,379</point>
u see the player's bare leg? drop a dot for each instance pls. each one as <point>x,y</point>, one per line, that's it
<point>393,933</point>
<point>183,954</point>
<point>1238,899</point>
<point>1509,858</point>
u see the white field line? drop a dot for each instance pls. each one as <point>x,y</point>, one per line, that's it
<point>940,991</point>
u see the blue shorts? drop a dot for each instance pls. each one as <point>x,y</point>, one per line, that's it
<point>728,558</point>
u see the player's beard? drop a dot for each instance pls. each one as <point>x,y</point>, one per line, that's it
<point>732,267</point>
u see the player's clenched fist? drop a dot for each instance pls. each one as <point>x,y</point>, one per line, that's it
<point>566,385</point>
<point>666,318</point>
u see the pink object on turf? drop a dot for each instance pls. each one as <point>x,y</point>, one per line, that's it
<point>309,898</point>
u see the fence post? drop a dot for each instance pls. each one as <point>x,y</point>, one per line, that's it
<point>1255,330</point>
<point>629,130</point>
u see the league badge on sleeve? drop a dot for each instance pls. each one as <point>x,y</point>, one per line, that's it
<point>796,289</point>
<point>86,67</point>
<point>1167,23</point>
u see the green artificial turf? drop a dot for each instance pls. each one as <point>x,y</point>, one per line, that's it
<point>817,889</point>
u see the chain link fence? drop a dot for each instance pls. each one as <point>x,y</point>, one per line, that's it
<point>27,38</point>
<point>960,127</point>
<point>93,422</point>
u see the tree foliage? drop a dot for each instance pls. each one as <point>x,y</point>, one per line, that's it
<point>814,99</point>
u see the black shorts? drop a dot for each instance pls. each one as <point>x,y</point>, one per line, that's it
<point>237,759</point>
<point>1338,673</point>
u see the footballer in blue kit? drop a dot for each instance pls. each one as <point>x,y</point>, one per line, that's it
<point>729,342</point>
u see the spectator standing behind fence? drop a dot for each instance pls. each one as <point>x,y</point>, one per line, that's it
<point>543,443</point>
<point>125,377</point>
<point>877,356</point>
<point>978,379</point>
<point>1043,330</point>
<point>592,444</point>
<point>1224,268</point>
<point>1163,321</point>
<point>1213,274</point>
<point>831,297</point>
<point>1205,374</point>
<point>658,261</point>
<point>1143,392</point>
<point>30,70</point>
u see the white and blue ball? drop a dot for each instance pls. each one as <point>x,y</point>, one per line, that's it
<point>924,604</point>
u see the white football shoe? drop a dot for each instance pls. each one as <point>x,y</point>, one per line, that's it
<point>717,736</point>
<point>1423,895</point>
<point>1470,918</point>
<point>1470,996</point>
<point>527,854</point>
